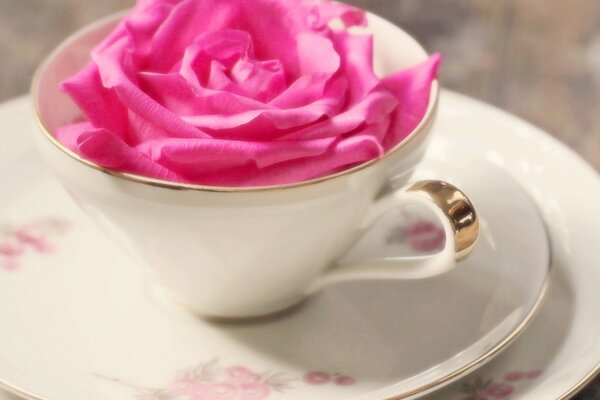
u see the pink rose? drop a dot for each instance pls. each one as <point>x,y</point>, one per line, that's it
<point>240,93</point>
<point>218,391</point>
<point>34,236</point>
<point>11,248</point>
<point>185,387</point>
<point>425,236</point>
<point>514,376</point>
<point>499,390</point>
<point>345,381</point>
<point>317,378</point>
<point>241,375</point>
<point>255,391</point>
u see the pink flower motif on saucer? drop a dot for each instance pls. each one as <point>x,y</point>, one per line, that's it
<point>255,391</point>
<point>345,381</point>
<point>515,376</point>
<point>208,381</point>
<point>31,237</point>
<point>480,389</point>
<point>185,387</point>
<point>218,391</point>
<point>318,378</point>
<point>425,236</point>
<point>420,235</point>
<point>500,390</point>
<point>240,374</point>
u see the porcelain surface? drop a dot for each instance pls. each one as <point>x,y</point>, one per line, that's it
<point>81,320</point>
<point>559,354</point>
<point>271,246</point>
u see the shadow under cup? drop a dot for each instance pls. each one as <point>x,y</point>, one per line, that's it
<point>266,245</point>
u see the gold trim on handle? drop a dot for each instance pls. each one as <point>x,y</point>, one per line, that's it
<point>459,210</point>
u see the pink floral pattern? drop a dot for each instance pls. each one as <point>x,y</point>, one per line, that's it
<point>420,235</point>
<point>480,389</point>
<point>425,236</point>
<point>209,381</point>
<point>317,378</point>
<point>323,378</point>
<point>31,237</point>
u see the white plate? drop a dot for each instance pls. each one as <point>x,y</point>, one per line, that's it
<point>560,352</point>
<point>80,321</point>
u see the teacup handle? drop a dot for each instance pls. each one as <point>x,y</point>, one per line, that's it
<point>456,214</point>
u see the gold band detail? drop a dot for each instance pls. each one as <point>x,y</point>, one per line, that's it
<point>459,210</point>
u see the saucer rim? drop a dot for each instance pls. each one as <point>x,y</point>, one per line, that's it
<point>453,376</point>
<point>439,383</point>
<point>575,158</point>
<point>490,355</point>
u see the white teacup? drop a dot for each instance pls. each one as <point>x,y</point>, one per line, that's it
<point>244,252</point>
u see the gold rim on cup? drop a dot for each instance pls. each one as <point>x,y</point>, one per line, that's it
<point>419,129</point>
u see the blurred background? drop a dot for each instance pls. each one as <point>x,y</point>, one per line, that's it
<point>539,59</point>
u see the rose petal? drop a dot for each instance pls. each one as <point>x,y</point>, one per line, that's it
<point>110,63</point>
<point>68,135</point>
<point>373,109</point>
<point>108,150</point>
<point>102,106</point>
<point>345,153</point>
<point>227,115</point>
<point>173,92</point>
<point>305,90</point>
<point>328,10</point>
<point>274,26</point>
<point>196,157</point>
<point>319,64</point>
<point>356,52</point>
<point>225,46</point>
<point>279,119</point>
<point>141,130</point>
<point>317,55</point>
<point>412,88</point>
<point>186,21</point>
<point>271,121</point>
<point>141,26</point>
<point>220,80</point>
<point>261,80</point>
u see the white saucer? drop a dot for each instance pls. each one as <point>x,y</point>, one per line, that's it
<point>80,321</point>
<point>559,354</point>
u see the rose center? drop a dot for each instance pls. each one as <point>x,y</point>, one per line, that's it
<point>225,61</point>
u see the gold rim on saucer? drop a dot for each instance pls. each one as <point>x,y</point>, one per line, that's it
<point>503,344</point>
